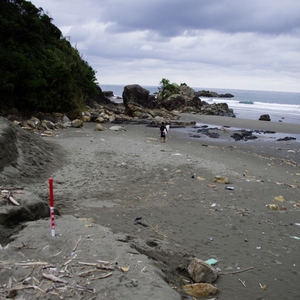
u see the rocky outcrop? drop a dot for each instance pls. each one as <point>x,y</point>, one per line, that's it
<point>265,117</point>
<point>210,94</point>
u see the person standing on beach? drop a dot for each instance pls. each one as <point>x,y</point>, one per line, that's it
<point>163,132</point>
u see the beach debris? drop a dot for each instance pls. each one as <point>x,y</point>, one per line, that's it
<point>198,290</point>
<point>295,237</point>
<point>211,186</point>
<point>117,128</point>
<point>221,179</point>
<point>200,178</point>
<point>272,206</point>
<point>263,287</point>
<point>242,282</point>
<point>211,261</point>
<point>229,188</point>
<point>200,271</point>
<point>54,278</point>
<point>279,198</point>
<point>137,221</point>
<point>235,272</point>
<point>210,239</point>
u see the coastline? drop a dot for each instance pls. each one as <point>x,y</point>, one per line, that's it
<point>110,178</point>
<point>289,128</point>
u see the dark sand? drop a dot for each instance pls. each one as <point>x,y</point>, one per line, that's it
<point>111,178</point>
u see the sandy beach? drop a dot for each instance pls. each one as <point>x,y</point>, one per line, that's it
<point>104,181</point>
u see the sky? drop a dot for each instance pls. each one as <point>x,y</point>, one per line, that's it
<point>230,44</point>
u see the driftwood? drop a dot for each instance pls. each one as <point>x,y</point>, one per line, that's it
<point>235,272</point>
<point>42,285</point>
<point>53,278</point>
<point>12,200</point>
<point>74,249</point>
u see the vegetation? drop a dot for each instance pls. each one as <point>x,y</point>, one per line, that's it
<point>166,89</point>
<point>40,70</point>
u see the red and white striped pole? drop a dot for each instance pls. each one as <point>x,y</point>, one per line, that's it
<point>51,207</point>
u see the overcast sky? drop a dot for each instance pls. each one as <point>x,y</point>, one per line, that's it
<point>234,44</point>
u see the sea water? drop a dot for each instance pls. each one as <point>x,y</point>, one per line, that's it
<point>246,104</point>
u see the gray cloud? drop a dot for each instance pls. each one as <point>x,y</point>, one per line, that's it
<point>216,43</point>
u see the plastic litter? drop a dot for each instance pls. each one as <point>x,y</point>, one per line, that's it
<point>229,188</point>
<point>211,261</point>
<point>295,237</point>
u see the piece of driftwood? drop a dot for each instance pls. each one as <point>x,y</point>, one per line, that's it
<point>82,288</point>
<point>24,247</point>
<point>98,266</point>
<point>54,278</point>
<point>102,276</point>
<point>242,282</point>
<point>235,272</point>
<point>33,263</point>
<point>87,273</point>
<point>67,262</point>
<point>12,200</point>
<point>74,249</point>
<point>156,230</point>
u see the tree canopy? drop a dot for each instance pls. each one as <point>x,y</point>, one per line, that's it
<point>39,68</point>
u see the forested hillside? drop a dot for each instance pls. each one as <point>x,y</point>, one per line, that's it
<point>39,69</point>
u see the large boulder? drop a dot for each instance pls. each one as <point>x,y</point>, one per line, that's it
<point>135,94</point>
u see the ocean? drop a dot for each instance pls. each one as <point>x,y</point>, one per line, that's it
<point>246,104</point>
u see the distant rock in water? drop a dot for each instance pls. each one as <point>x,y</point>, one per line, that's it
<point>246,102</point>
<point>210,94</point>
<point>265,117</point>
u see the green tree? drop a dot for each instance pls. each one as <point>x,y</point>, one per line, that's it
<point>40,70</point>
<point>166,89</point>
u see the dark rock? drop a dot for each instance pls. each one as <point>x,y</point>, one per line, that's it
<point>108,93</point>
<point>287,138</point>
<point>265,117</point>
<point>243,136</point>
<point>137,95</point>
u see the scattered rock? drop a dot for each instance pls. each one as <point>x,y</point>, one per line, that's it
<point>77,123</point>
<point>221,179</point>
<point>117,128</point>
<point>99,127</point>
<point>198,290</point>
<point>265,117</point>
<point>200,271</point>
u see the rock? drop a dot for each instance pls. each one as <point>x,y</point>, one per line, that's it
<point>221,179</point>
<point>86,118</point>
<point>265,117</point>
<point>198,290</point>
<point>117,128</point>
<point>287,138</point>
<point>99,127</point>
<point>108,94</point>
<point>135,94</point>
<point>200,271</point>
<point>77,123</point>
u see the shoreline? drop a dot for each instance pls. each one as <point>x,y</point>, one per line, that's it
<point>289,128</point>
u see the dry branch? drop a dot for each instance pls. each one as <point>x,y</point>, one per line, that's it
<point>235,272</point>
